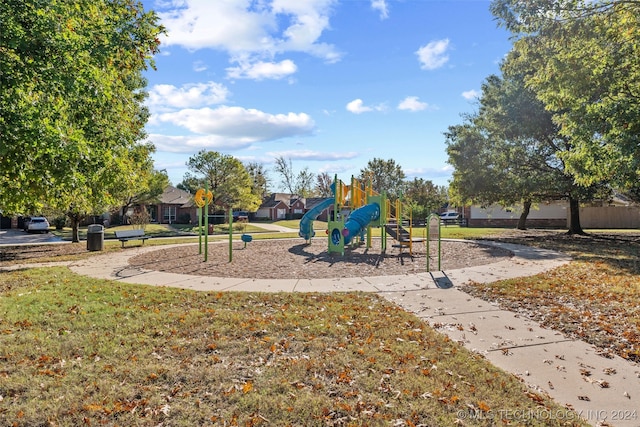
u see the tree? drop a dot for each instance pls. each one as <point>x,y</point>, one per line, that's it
<point>507,153</point>
<point>72,96</point>
<point>227,178</point>
<point>151,185</point>
<point>424,197</point>
<point>300,184</point>
<point>190,183</point>
<point>260,178</point>
<point>582,59</point>
<point>385,175</point>
<point>324,181</point>
<point>304,183</point>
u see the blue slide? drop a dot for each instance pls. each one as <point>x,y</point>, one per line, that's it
<point>359,219</point>
<point>306,223</point>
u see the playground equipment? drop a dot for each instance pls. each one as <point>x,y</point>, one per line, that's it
<point>356,209</point>
<point>202,199</point>
<point>306,223</point>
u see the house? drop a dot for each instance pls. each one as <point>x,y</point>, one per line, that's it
<point>174,206</point>
<point>287,206</point>
<point>274,207</point>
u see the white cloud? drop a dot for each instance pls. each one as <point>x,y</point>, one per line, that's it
<point>434,54</point>
<point>471,94</point>
<point>240,124</point>
<point>198,24</point>
<point>314,155</point>
<point>357,107</point>
<point>412,103</point>
<point>263,70</point>
<point>427,173</point>
<point>308,19</point>
<point>164,96</point>
<point>193,143</point>
<point>382,7</point>
<point>335,168</point>
<point>199,66</point>
<point>250,30</point>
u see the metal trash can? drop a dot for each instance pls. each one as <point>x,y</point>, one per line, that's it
<point>95,237</point>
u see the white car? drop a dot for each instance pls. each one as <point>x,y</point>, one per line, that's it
<point>449,217</point>
<point>37,224</point>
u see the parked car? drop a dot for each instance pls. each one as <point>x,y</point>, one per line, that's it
<point>449,217</point>
<point>241,216</point>
<point>37,224</point>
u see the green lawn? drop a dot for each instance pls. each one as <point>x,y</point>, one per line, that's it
<point>80,351</point>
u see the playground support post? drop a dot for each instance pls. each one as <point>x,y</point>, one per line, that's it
<point>206,222</point>
<point>202,198</point>
<point>199,213</point>
<point>230,234</point>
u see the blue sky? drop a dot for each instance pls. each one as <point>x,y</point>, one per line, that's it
<point>329,84</point>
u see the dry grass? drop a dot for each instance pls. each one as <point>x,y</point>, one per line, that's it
<point>595,298</point>
<point>79,351</point>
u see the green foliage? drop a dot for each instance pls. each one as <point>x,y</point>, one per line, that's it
<point>73,114</point>
<point>582,59</point>
<point>260,178</point>
<point>227,178</point>
<point>386,176</point>
<point>59,222</point>
<point>510,152</point>
<point>424,197</point>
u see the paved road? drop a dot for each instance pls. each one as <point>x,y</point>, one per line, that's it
<point>10,237</point>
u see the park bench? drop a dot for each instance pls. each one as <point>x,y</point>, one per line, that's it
<point>126,235</point>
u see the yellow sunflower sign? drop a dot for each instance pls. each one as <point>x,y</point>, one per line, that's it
<point>203,197</point>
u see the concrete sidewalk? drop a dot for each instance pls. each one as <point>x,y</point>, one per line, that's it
<point>546,360</point>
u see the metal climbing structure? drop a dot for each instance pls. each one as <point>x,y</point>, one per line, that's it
<point>357,208</point>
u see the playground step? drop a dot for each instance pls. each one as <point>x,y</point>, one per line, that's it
<point>400,235</point>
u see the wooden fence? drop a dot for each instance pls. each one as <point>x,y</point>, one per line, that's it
<point>609,217</point>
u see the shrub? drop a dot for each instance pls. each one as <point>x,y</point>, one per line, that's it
<point>59,222</point>
<point>184,218</point>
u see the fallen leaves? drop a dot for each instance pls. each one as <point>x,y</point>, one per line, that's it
<point>595,298</point>
<point>181,355</point>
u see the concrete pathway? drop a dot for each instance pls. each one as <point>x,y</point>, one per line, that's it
<point>274,227</point>
<point>546,360</point>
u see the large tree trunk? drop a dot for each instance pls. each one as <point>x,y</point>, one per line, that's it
<point>75,219</point>
<point>522,222</point>
<point>574,217</point>
<point>75,235</point>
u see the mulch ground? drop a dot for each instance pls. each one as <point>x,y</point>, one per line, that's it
<point>294,258</point>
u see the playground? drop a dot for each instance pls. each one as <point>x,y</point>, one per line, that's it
<point>346,249</point>
<point>296,259</point>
